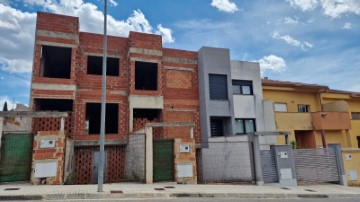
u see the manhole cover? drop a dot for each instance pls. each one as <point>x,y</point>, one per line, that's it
<point>159,189</point>
<point>310,190</point>
<point>285,188</point>
<point>169,187</point>
<point>11,189</point>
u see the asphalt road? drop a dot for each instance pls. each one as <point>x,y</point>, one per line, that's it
<point>217,200</point>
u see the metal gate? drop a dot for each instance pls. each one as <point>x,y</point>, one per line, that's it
<point>316,165</point>
<point>163,156</point>
<point>16,151</point>
<point>268,164</point>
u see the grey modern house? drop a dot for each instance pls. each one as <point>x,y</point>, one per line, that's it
<point>232,107</point>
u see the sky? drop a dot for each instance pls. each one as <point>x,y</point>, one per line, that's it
<point>311,41</point>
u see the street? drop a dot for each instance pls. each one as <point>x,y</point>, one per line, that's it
<point>217,200</point>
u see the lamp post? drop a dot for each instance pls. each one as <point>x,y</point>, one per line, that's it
<point>103,108</point>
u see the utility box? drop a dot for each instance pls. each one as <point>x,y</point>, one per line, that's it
<point>184,170</point>
<point>348,157</point>
<point>283,155</point>
<point>184,148</point>
<point>47,143</point>
<point>45,169</point>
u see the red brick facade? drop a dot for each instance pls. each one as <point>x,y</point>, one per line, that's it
<point>177,83</point>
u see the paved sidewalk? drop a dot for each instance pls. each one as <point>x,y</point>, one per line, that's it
<point>168,190</point>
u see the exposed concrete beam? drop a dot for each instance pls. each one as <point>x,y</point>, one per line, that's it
<point>46,43</point>
<point>97,142</point>
<point>145,51</point>
<point>176,124</point>
<point>42,86</point>
<point>178,68</point>
<point>53,34</point>
<point>33,114</point>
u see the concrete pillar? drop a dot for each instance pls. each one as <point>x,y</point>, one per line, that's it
<point>192,132</point>
<point>62,124</point>
<point>131,119</point>
<point>257,162</point>
<point>285,165</point>
<point>340,163</point>
<point>148,155</point>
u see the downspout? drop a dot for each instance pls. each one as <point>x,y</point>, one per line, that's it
<point>323,137</point>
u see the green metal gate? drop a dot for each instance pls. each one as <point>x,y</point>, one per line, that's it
<point>15,162</point>
<point>163,154</point>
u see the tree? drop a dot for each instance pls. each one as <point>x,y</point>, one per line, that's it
<point>5,107</point>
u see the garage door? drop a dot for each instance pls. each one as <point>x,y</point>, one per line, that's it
<point>15,163</point>
<point>163,155</point>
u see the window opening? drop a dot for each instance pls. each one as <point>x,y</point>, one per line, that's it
<point>217,127</point>
<point>93,116</point>
<point>280,107</point>
<point>242,87</point>
<point>94,65</point>
<point>243,126</point>
<point>61,105</point>
<point>55,62</point>
<point>146,75</point>
<point>303,108</point>
<point>218,87</point>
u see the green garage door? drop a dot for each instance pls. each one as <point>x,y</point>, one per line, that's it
<point>163,151</point>
<point>15,163</point>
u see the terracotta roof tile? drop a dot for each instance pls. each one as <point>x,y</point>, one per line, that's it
<point>267,82</point>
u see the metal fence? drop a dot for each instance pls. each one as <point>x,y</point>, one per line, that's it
<point>316,165</point>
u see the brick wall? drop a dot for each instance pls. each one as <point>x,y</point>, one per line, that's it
<point>185,158</point>
<point>52,124</point>
<point>44,155</point>
<point>115,164</point>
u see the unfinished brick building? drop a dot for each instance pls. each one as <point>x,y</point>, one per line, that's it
<point>145,83</point>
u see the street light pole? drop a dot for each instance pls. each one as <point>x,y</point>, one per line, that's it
<point>103,108</point>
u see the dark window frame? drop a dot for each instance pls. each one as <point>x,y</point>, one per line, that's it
<point>303,108</point>
<point>242,83</point>
<point>355,115</point>
<point>216,133</point>
<point>214,95</point>
<point>244,126</point>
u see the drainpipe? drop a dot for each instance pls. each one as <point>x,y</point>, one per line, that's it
<point>323,139</point>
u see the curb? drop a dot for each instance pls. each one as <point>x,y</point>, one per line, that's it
<point>170,195</point>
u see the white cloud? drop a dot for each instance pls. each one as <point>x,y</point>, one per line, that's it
<point>347,25</point>
<point>291,41</point>
<point>304,5</point>
<point>10,103</point>
<point>166,33</point>
<point>15,65</point>
<point>17,28</point>
<point>336,8</point>
<point>224,5</point>
<point>273,63</point>
<point>113,3</point>
<point>289,20</point>
<point>331,8</point>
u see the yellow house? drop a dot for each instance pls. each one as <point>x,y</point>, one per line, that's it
<point>312,120</point>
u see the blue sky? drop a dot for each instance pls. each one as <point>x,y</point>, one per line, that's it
<point>312,41</point>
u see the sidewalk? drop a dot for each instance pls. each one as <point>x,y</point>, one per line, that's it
<point>168,190</point>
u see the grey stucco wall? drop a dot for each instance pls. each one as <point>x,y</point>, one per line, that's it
<point>135,158</point>
<point>249,106</point>
<point>214,61</point>
<point>226,162</point>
